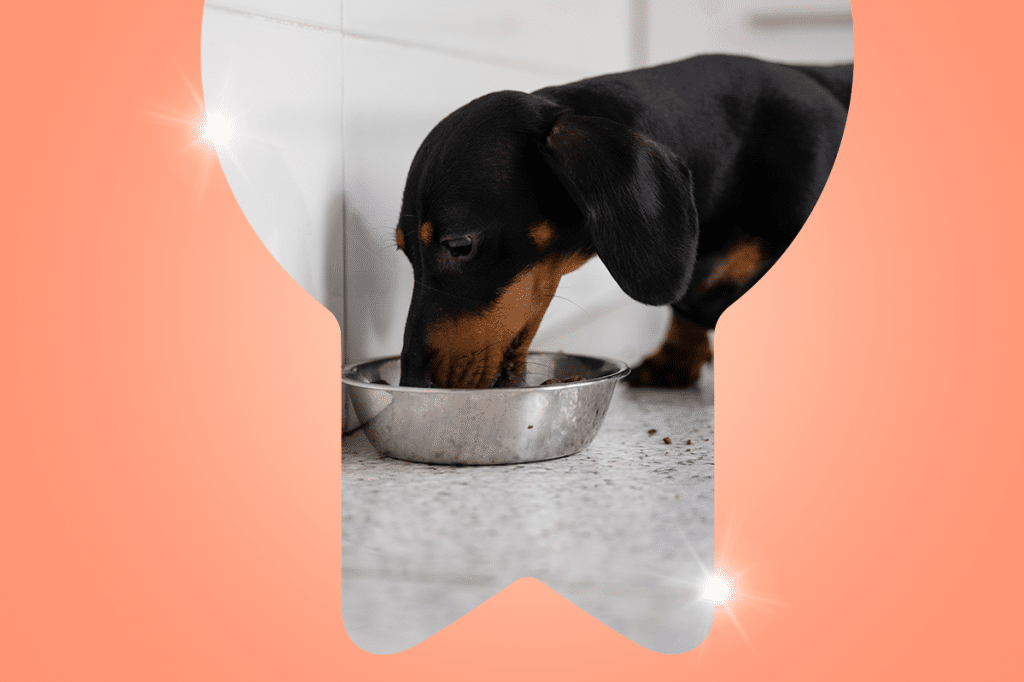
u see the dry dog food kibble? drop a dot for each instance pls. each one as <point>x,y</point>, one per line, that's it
<point>563,381</point>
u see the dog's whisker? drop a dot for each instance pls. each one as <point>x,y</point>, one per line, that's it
<point>569,300</point>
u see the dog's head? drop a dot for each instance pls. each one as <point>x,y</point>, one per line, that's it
<point>505,196</point>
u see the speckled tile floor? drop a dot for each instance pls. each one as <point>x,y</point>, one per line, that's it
<point>624,529</point>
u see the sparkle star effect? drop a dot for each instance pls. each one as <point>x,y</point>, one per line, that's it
<point>718,589</point>
<point>724,587</point>
<point>217,129</point>
<point>207,129</point>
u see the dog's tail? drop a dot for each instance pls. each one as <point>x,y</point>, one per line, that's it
<point>836,79</point>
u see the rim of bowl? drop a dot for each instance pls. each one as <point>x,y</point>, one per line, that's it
<point>621,373</point>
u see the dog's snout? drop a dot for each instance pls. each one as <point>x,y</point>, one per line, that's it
<point>416,378</point>
<point>415,370</point>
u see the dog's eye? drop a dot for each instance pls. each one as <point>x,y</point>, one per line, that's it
<point>460,247</point>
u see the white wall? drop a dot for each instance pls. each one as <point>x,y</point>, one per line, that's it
<point>274,67</point>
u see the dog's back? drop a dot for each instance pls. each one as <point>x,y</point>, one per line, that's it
<point>726,117</point>
<point>837,79</point>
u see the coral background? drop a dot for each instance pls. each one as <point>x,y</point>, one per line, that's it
<point>169,483</point>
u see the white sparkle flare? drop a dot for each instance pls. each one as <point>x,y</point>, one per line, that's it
<point>717,589</point>
<point>217,128</point>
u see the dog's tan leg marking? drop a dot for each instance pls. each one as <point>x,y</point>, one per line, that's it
<point>468,351</point>
<point>677,363</point>
<point>739,264</point>
<point>400,238</point>
<point>426,233</point>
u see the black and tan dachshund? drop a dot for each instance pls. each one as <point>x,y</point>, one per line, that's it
<point>688,180</point>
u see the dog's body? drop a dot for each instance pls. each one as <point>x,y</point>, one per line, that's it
<point>688,180</point>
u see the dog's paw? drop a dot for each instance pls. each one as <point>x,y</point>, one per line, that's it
<point>678,362</point>
<point>663,370</point>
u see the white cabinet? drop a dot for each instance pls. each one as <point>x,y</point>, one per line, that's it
<point>792,30</point>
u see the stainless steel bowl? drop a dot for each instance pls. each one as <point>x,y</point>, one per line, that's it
<point>529,423</point>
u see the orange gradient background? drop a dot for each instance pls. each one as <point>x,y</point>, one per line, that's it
<point>169,481</point>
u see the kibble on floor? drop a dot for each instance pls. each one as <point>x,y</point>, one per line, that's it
<point>624,529</point>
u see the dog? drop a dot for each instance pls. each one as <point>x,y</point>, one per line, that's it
<point>688,180</point>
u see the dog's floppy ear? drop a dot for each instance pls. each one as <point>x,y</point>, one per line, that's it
<point>636,198</point>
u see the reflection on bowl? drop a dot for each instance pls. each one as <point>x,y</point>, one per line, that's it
<point>530,423</point>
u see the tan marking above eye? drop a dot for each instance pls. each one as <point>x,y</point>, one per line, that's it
<point>739,264</point>
<point>400,238</point>
<point>542,234</point>
<point>426,233</point>
<point>468,350</point>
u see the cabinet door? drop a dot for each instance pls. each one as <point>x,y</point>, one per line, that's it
<point>804,31</point>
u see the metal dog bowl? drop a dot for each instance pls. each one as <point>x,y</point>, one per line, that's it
<point>485,426</point>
